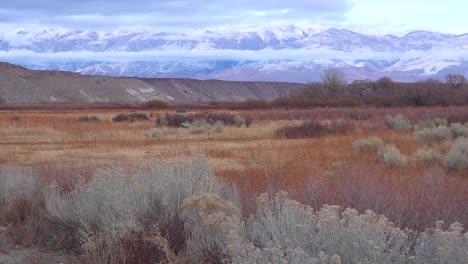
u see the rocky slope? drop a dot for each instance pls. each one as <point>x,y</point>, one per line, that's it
<point>20,85</point>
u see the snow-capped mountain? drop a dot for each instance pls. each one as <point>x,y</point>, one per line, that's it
<point>285,53</point>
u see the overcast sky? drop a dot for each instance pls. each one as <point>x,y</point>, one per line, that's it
<point>108,15</point>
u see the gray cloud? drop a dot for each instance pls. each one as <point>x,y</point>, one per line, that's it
<point>188,13</point>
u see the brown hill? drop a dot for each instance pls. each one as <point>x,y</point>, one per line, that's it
<point>19,85</point>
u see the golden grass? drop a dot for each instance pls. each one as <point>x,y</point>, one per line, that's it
<point>27,138</point>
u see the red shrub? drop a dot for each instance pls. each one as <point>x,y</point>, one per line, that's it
<point>65,176</point>
<point>312,129</point>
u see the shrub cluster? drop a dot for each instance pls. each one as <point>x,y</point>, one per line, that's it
<point>429,131</point>
<point>114,208</point>
<point>398,122</point>
<point>89,119</point>
<point>158,132</point>
<point>130,117</point>
<point>200,126</point>
<point>313,129</point>
<point>389,155</point>
<point>426,155</point>
<point>181,120</point>
<point>372,143</point>
<point>457,157</point>
<point>431,123</point>
<point>285,231</point>
<point>438,134</point>
<point>459,130</point>
<point>170,213</point>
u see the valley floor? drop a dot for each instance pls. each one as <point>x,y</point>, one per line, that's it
<point>326,168</point>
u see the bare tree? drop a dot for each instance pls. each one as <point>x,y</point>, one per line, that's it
<point>455,80</point>
<point>362,89</point>
<point>333,79</point>
<point>385,83</point>
<point>312,90</point>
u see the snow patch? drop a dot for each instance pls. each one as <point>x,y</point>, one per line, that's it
<point>148,90</point>
<point>133,92</point>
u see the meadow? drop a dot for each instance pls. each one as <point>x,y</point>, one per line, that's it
<point>318,185</point>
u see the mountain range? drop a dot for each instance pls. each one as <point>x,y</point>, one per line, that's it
<point>284,53</point>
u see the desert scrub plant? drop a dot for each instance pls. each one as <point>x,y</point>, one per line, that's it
<point>210,221</point>
<point>430,135</point>
<point>459,130</point>
<point>218,127</point>
<point>239,120</point>
<point>391,156</point>
<point>442,133</point>
<point>178,120</point>
<point>158,132</point>
<point>436,245</point>
<point>120,118</point>
<point>127,247</point>
<point>248,120</point>
<point>197,126</point>
<point>285,231</point>
<point>312,129</point>
<point>431,123</point>
<point>130,117</point>
<point>457,156</point>
<point>114,201</point>
<point>424,136</point>
<point>398,122</point>
<point>371,143</point>
<point>426,155</point>
<point>439,121</point>
<point>16,182</point>
<point>89,119</point>
<point>19,195</point>
<point>162,120</point>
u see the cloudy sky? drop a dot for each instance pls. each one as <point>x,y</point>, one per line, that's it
<point>107,15</point>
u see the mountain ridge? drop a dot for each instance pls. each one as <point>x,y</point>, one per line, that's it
<point>297,54</point>
<point>19,85</point>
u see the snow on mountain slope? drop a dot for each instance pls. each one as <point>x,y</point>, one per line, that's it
<point>252,53</point>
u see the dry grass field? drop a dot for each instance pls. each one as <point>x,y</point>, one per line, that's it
<point>321,168</point>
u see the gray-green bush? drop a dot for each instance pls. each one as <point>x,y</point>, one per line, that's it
<point>371,143</point>
<point>437,134</point>
<point>239,120</point>
<point>398,122</point>
<point>457,156</point>
<point>162,120</point>
<point>285,231</point>
<point>459,130</point>
<point>116,213</point>
<point>391,156</point>
<point>115,203</point>
<point>431,123</point>
<point>16,182</point>
<point>426,156</point>
<point>197,126</point>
